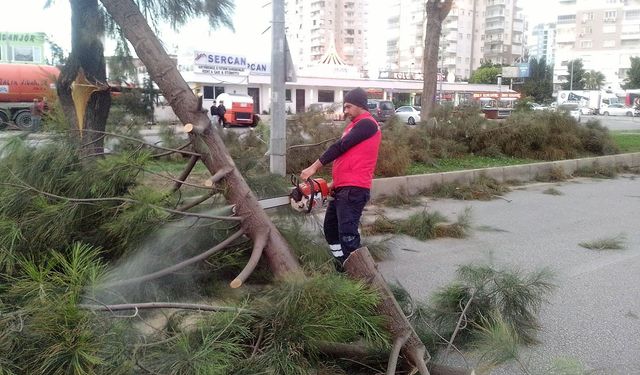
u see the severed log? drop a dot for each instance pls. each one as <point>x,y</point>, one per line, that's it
<point>360,265</point>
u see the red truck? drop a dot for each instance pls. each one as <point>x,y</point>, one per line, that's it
<point>20,84</point>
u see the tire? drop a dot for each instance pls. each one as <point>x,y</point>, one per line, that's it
<point>629,114</point>
<point>4,120</point>
<point>23,120</point>
<point>411,121</point>
<point>606,114</point>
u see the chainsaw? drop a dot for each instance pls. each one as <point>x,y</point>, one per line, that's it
<point>304,196</point>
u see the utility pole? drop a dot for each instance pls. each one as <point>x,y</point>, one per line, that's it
<point>278,141</point>
<point>571,79</point>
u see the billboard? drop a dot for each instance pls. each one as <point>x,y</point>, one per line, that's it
<point>520,70</point>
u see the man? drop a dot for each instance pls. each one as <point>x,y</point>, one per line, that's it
<point>213,110</point>
<point>37,110</point>
<point>221,111</point>
<point>354,156</point>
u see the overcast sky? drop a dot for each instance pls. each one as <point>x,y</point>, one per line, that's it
<point>250,39</point>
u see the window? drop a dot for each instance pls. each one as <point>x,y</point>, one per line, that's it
<point>609,43</point>
<point>610,16</point>
<point>218,90</point>
<point>26,54</point>
<point>287,95</point>
<point>587,16</point>
<point>570,18</point>
<point>632,15</point>
<point>585,44</point>
<point>326,96</point>
<point>208,92</point>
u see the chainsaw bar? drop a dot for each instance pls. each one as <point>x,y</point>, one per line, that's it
<point>274,202</point>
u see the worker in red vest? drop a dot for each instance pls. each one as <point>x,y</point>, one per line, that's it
<point>354,158</point>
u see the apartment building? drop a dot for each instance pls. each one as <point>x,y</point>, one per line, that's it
<point>603,33</point>
<point>542,42</point>
<point>315,27</point>
<point>474,31</point>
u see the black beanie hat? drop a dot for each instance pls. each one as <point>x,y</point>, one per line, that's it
<point>357,97</point>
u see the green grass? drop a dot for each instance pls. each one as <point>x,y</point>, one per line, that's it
<point>175,167</point>
<point>466,162</point>
<point>626,141</point>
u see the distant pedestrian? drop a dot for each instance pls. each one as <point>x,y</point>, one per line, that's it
<point>221,111</point>
<point>213,111</point>
<point>37,110</point>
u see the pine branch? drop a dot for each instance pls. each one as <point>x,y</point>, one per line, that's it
<point>173,150</point>
<point>176,267</point>
<point>256,253</point>
<point>183,176</point>
<point>165,305</point>
<point>196,202</point>
<point>123,200</point>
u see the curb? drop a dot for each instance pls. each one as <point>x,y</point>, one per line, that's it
<point>414,184</point>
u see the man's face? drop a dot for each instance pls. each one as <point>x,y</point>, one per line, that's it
<point>351,111</point>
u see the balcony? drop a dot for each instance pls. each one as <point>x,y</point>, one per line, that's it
<point>495,26</point>
<point>630,35</point>
<point>495,16</point>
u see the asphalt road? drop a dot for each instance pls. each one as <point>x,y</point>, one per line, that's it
<point>615,123</point>
<point>594,315</point>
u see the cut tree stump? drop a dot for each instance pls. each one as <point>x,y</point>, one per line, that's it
<point>361,266</point>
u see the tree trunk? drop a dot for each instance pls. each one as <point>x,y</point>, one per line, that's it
<point>437,11</point>
<point>207,142</point>
<point>360,265</point>
<point>87,52</point>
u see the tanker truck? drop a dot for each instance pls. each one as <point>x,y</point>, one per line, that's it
<point>20,84</point>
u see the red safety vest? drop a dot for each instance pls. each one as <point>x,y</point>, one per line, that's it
<point>356,166</point>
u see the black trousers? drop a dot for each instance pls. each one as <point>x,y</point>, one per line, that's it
<point>342,219</point>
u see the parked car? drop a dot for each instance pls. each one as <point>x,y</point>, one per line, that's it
<point>618,109</point>
<point>381,110</point>
<point>572,110</point>
<point>331,111</point>
<point>408,114</point>
<point>538,107</point>
<point>586,111</point>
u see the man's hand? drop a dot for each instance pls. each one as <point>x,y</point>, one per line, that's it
<point>310,170</point>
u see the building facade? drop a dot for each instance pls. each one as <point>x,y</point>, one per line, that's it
<point>22,48</point>
<point>542,42</point>
<point>315,27</point>
<point>603,33</point>
<point>475,31</point>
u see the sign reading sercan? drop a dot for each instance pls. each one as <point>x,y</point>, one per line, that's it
<point>227,64</point>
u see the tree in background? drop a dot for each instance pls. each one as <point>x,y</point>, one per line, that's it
<point>577,76</point>
<point>593,80</point>
<point>633,75</point>
<point>486,73</point>
<point>539,84</point>
<point>437,11</point>
<point>89,24</point>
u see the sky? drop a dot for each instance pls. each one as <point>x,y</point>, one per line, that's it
<point>252,38</point>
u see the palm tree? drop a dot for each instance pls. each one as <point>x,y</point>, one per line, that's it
<point>593,80</point>
<point>89,23</point>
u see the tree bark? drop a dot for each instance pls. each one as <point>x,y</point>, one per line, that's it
<point>87,52</point>
<point>360,265</point>
<point>207,142</point>
<point>437,11</point>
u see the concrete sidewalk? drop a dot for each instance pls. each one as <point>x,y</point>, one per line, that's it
<point>594,315</point>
